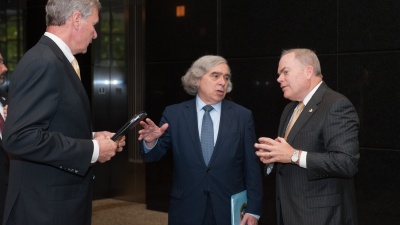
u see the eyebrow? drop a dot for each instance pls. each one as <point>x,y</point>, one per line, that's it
<point>219,73</point>
<point>280,71</point>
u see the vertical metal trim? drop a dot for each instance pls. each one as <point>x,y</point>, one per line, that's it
<point>135,67</point>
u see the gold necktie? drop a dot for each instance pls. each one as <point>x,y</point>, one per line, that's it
<point>295,115</point>
<point>76,67</point>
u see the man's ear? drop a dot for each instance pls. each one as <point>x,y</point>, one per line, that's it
<point>76,19</point>
<point>309,71</point>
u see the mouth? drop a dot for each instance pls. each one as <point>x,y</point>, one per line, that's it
<point>220,92</point>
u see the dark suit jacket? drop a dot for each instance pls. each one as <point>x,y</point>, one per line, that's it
<point>49,136</point>
<point>323,193</point>
<point>233,166</point>
<point>4,166</point>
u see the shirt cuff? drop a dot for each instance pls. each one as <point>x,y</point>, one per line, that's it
<point>255,216</point>
<point>303,159</point>
<point>96,150</point>
<point>147,149</point>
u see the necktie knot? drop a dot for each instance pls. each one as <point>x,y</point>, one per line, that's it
<point>208,108</point>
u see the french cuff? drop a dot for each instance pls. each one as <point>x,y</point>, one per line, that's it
<point>96,150</point>
<point>303,159</point>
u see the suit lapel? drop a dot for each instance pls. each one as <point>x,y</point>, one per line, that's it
<point>225,122</point>
<point>77,84</point>
<point>308,111</point>
<point>190,116</point>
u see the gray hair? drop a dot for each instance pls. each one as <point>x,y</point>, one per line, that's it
<point>58,11</point>
<point>305,57</point>
<point>201,66</point>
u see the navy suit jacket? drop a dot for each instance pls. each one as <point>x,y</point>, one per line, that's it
<point>49,136</point>
<point>233,166</point>
<point>323,193</point>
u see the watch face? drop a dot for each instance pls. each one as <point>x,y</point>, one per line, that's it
<point>295,157</point>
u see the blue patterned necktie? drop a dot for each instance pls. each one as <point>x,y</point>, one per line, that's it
<point>207,134</point>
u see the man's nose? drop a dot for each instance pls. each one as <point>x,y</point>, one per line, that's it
<point>5,69</point>
<point>222,80</point>
<point>279,79</point>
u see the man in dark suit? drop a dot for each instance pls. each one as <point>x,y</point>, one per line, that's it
<point>4,161</point>
<point>48,133</point>
<point>204,183</point>
<point>316,159</point>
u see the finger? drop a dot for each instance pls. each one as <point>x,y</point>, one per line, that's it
<point>164,127</point>
<point>150,122</point>
<point>121,139</point>
<point>280,139</point>
<point>144,124</point>
<point>262,147</point>
<point>264,139</point>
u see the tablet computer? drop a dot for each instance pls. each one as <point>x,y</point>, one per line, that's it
<point>129,125</point>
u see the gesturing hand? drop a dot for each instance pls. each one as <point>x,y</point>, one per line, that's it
<point>151,131</point>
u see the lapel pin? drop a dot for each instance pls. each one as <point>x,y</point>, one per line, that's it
<point>310,110</point>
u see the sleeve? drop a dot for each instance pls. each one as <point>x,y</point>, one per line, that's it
<point>253,170</point>
<point>340,155</point>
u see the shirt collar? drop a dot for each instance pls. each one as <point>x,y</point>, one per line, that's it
<point>312,92</point>
<point>61,44</point>
<point>200,104</point>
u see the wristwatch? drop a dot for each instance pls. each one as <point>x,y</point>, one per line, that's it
<point>295,156</point>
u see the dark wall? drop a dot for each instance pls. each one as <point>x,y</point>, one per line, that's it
<point>358,43</point>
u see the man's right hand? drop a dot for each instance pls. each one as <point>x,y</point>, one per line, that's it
<point>107,148</point>
<point>151,132</point>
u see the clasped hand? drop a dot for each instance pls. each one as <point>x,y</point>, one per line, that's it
<point>271,151</point>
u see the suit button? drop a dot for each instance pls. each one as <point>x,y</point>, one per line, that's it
<point>207,193</point>
<point>208,170</point>
<point>280,173</point>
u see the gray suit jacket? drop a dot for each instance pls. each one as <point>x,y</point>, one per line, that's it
<point>4,166</point>
<point>233,166</point>
<point>323,193</point>
<point>49,136</point>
